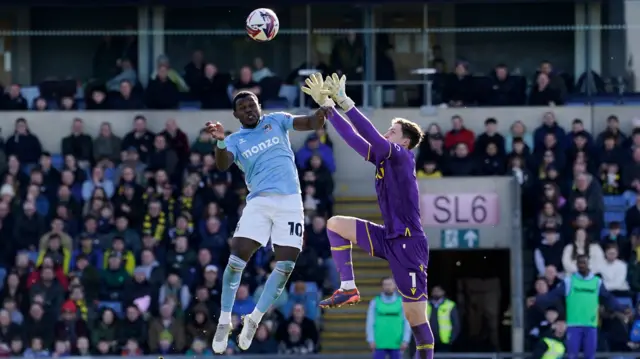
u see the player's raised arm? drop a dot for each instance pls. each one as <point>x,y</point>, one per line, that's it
<point>311,122</point>
<point>224,158</point>
<point>336,86</point>
<point>315,89</point>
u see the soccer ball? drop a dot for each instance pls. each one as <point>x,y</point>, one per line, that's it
<point>262,25</point>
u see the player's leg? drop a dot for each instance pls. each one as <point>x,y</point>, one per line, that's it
<point>287,215</point>
<point>574,339</point>
<point>251,233</point>
<point>343,232</point>
<point>408,260</point>
<point>590,342</point>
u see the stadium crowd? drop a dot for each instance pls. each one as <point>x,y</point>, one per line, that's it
<point>579,197</point>
<point>114,246</point>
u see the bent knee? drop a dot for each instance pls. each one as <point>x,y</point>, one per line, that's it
<point>343,226</point>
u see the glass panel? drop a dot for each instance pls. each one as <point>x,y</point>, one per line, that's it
<point>70,42</point>
<point>399,51</point>
<point>220,35</point>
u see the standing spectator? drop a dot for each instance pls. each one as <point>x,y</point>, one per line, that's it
<point>549,125</point>
<point>78,144</point>
<point>106,147</point>
<point>213,89</point>
<point>519,131</point>
<point>459,89</point>
<point>549,252</point>
<point>166,324</point>
<point>194,70</point>
<point>126,98</point>
<point>176,139</point>
<point>97,180</point>
<point>246,83</point>
<point>388,332</point>
<point>614,273</point>
<point>162,93</point>
<point>139,138</point>
<point>613,130</point>
<point>490,135</point>
<point>23,144</point>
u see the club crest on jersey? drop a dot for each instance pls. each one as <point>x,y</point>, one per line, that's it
<point>267,128</point>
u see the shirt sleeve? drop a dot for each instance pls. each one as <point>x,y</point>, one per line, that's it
<point>230,142</point>
<point>284,120</point>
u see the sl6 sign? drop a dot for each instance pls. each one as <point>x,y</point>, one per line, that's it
<point>446,210</point>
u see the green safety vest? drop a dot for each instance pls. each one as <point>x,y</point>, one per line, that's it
<point>583,302</point>
<point>555,349</point>
<point>388,326</point>
<point>445,326</point>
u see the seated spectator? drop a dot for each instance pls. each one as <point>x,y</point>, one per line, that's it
<point>582,246</point>
<point>176,291</point>
<point>134,327</point>
<point>549,252</point>
<point>177,140</point>
<point>613,131</point>
<point>172,74</point>
<point>244,303</point>
<point>162,93</point>
<point>461,162</point>
<point>429,170</point>
<point>246,83</point>
<point>263,343</point>
<point>139,138</point>
<point>125,98</point>
<point>70,327</point>
<point>119,250</point>
<point>542,94</point>
<point>307,326</point>
<point>518,130</point>
<point>200,326</point>
<point>492,162</point>
<point>97,180</point>
<point>12,100</point>
<point>615,236</point>
<point>37,349</point>
<point>300,295</point>
<point>105,329</point>
<point>132,348</point>
<point>97,99</point>
<point>614,273</point>
<point>458,134</point>
<point>459,88</point>
<point>168,329</point>
<point>61,256</point>
<point>504,89</point>
<point>40,104</point>
<point>295,343</point>
<point>312,147</point>
<point>490,136</point>
<point>112,282</point>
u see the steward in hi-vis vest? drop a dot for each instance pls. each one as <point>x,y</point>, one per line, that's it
<point>551,346</point>
<point>443,318</point>
<point>388,332</point>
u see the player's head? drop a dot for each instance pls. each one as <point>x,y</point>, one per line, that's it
<point>404,133</point>
<point>582,262</point>
<point>247,109</point>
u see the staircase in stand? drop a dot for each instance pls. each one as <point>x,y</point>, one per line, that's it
<point>344,328</point>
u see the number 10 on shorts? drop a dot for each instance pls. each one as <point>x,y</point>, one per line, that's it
<point>295,229</point>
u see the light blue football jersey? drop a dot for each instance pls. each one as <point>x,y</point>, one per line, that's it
<point>264,154</point>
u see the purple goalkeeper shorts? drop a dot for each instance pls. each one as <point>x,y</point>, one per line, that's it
<point>408,258</point>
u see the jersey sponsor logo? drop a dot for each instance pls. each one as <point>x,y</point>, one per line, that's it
<point>267,128</point>
<point>254,150</point>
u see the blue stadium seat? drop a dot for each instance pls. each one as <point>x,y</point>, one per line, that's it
<point>613,217</point>
<point>614,201</point>
<point>57,161</point>
<point>625,301</point>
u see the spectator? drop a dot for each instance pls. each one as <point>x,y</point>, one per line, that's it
<point>549,252</point>
<point>244,303</point>
<point>295,343</point>
<point>263,343</point>
<point>194,70</point>
<point>246,83</point>
<point>162,93</point>
<point>12,100</point>
<point>213,89</point>
<point>549,125</point>
<point>519,131</point>
<point>139,138</point>
<point>461,163</point>
<point>97,180</point>
<point>23,144</point>
<point>200,326</point>
<point>458,134</point>
<point>614,273</point>
<point>166,328</point>
<point>127,74</point>
<point>314,146</point>
<point>172,74</point>
<point>542,94</point>
<point>582,246</point>
<point>613,131</point>
<point>459,89</point>
<point>176,139</point>
<point>126,98</point>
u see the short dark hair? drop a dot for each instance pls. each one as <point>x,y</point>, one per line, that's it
<point>410,130</point>
<point>490,120</point>
<point>241,95</point>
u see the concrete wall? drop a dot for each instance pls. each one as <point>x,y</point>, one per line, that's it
<point>354,176</point>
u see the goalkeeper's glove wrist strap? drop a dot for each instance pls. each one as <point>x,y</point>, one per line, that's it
<point>328,103</point>
<point>346,104</point>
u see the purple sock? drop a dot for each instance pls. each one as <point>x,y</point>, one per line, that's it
<point>341,253</point>
<point>424,341</point>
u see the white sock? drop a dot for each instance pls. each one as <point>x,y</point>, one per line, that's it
<point>348,285</point>
<point>225,318</point>
<point>256,315</point>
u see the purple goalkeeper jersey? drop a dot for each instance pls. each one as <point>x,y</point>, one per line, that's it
<point>398,194</point>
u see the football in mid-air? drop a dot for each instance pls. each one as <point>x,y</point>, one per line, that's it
<point>262,25</point>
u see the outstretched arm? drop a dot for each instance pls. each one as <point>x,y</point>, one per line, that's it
<point>346,131</point>
<point>379,145</point>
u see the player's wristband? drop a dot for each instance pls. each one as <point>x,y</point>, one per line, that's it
<point>221,144</point>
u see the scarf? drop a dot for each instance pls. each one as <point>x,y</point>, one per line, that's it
<point>158,228</point>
